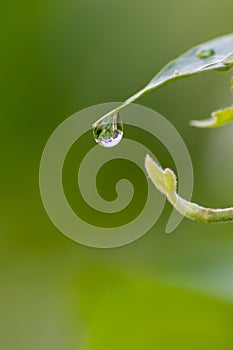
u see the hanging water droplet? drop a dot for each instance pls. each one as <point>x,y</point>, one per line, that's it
<point>109,131</point>
<point>205,53</point>
<point>228,59</point>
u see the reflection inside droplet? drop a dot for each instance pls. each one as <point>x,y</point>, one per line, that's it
<point>109,131</point>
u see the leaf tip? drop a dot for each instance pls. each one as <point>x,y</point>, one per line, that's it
<point>217,119</point>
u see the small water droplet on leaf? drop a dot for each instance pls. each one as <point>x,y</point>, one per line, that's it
<point>109,131</point>
<point>177,73</point>
<point>205,53</point>
<point>228,59</point>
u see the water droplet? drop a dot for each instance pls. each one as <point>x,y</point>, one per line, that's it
<point>228,59</point>
<point>109,131</point>
<point>205,53</point>
<point>176,73</point>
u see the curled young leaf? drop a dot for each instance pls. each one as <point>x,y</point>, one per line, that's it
<point>165,182</point>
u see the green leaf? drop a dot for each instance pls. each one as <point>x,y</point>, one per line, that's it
<point>215,54</point>
<point>218,118</point>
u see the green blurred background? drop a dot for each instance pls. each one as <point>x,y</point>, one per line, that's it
<point>161,291</point>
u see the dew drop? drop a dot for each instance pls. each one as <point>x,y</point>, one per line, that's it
<point>205,53</point>
<point>228,59</point>
<point>109,131</point>
<point>176,73</point>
